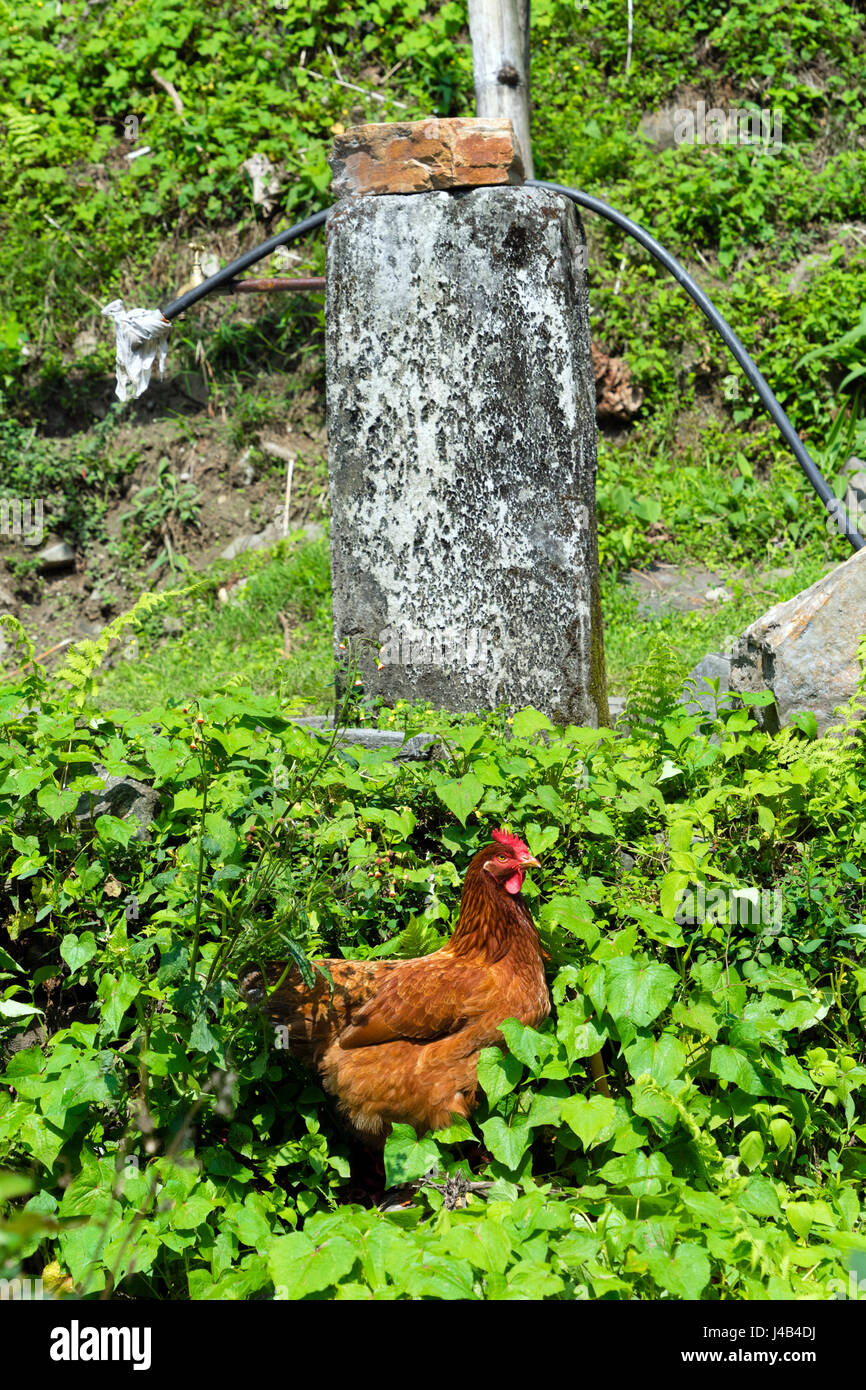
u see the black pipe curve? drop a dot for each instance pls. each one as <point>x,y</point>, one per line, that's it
<point>249,258</point>
<point>586,200</point>
<point>728,336</point>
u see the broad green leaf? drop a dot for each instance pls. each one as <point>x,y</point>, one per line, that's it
<point>439,1276</point>
<point>580,1036</point>
<point>16,1008</point>
<point>56,801</point>
<point>685,1273</point>
<point>78,950</point>
<point>113,830</point>
<point>485,1245</point>
<point>781,1133</point>
<point>498,1073</point>
<point>407,1157</point>
<point>637,991</point>
<point>299,1267</point>
<point>507,1144</point>
<point>599,823</point>
<point>525,1043</point>
<point>591,1119</point>
<point>751,1149</point>
<point>638,1171</point>
<point>116,996</point>
<point>662,1058</point>
<point>730,1064</point>
<point>528,722</point>
<point>759,1197</point>
<point>461,796</point>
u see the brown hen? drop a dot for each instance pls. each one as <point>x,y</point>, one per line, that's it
<point>398,1041</point>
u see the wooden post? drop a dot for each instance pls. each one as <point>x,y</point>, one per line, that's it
<point>499,31</point>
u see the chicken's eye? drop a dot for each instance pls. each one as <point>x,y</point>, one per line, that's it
<point>502,858</point>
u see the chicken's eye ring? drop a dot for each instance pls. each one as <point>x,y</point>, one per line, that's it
<point>502,858</point>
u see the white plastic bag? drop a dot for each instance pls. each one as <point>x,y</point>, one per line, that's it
<point>141,334</point>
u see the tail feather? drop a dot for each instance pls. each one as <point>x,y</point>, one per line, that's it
<point>312,1014</point>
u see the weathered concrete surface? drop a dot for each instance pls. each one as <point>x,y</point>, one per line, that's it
<point>461,418</point>
<point>805,650</point>
<point>417,156</point>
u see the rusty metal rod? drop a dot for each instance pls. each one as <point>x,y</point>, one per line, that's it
<point>312,284</point>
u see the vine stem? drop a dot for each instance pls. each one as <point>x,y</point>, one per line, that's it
<point>197,930</point>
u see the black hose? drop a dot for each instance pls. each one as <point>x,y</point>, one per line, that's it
<point>585,200</point>
<point>728,336</point>
<point>229,272</point>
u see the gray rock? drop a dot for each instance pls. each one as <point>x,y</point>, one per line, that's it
<point>715,666</point>
<point>805,650</point>
<point>122,797</point>
<point>461,426</point>
<point>8,601</point>
<point>55,557</point>
<point>855,497</point>
<point>616,705</point>
<point>676,588</point>
<point>271,534</point>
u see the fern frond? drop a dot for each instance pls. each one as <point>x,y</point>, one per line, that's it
<point>85,658</point>
<point>655,692</point>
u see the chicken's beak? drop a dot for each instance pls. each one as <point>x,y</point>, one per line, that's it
<point>530,863</point>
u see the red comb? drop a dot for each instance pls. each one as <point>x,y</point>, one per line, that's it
<point>504,837</point>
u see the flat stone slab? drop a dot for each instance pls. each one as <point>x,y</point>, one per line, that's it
<point>418,156</point>
<point>417,748</point>
<point>805,650</point>
<point>682,589</point>
<point>461,427</point>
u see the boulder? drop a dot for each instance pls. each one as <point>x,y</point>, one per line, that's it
<point>805,650</point>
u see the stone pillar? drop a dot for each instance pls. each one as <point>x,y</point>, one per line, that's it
<point>462,450</point>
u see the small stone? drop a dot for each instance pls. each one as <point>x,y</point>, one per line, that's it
<point>8,601</point>
<point>715,666</point>
<point>271,534</point>
<point>124,797</point>
<point>616,705</point>
<point>418,156</point>
<point>855,497</point>
<point>232,593</point>
<point>56,557</point>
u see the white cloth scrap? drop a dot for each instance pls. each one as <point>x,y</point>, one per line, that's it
<point>141,334</point>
